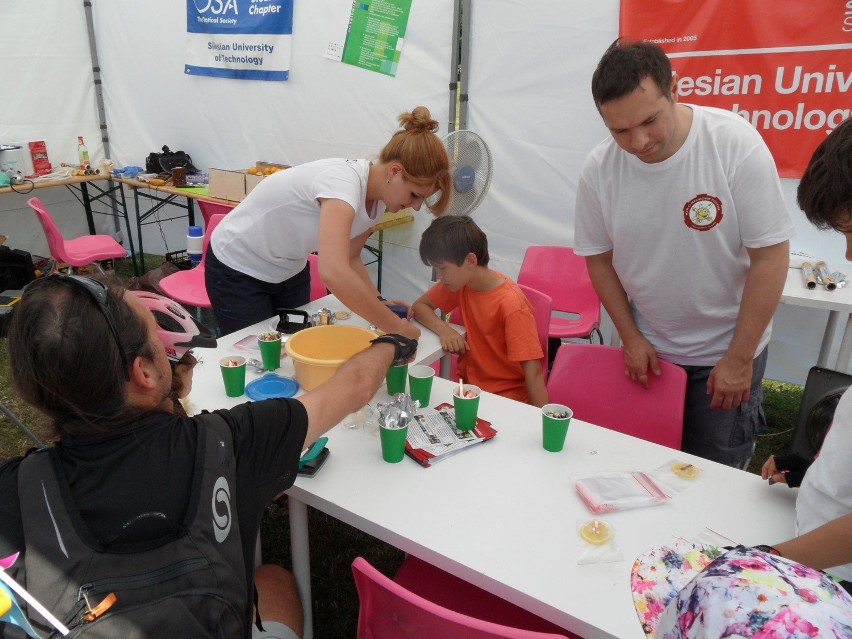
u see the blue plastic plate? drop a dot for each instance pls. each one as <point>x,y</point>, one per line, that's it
<point>272,385</point>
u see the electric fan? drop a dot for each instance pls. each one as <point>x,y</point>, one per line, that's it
<point>471,167</point>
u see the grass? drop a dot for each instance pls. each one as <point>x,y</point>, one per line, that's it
<point>334,544</point>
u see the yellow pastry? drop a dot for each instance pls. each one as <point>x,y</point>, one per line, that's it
<point>596,532</point>
<point>687,471</point>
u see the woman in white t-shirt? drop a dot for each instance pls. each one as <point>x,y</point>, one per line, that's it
<point>257,258</point>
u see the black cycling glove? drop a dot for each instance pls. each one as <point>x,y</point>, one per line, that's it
<point>405,347</point>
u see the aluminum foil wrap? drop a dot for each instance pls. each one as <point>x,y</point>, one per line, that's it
<point>398,412</point>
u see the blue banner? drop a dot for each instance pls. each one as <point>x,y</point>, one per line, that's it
<point>241,39</point>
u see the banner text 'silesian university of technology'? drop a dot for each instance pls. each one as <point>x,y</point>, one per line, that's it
<point>241,39</point>
<point>784,65</point>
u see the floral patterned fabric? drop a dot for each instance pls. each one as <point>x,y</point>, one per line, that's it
<point>688,591</point>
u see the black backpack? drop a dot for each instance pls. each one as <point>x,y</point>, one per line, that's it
<point>191,586</point>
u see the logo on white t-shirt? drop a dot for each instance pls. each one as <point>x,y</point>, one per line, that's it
<point>702,212</point>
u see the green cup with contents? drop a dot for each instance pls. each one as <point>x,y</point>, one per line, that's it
<point>395,379</point>
<point>466,404</point>
<point>393,443</point>
<point>555,419</point>
<point>420,384</point>
<point>270,350</point>
<point>234,375</point>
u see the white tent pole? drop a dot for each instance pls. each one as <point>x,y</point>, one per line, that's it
<point>455,69</point>
<point>96,72</point>
<point>99,96</point>
<point>464,62</point>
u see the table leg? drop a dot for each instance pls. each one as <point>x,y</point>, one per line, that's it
<point>828,338</point>
<point>446,365</point>
<point>87,205</point>
<point>301,555</point>
<point>379,257</point>
<point>136,270</point>
<point>845,347</point>
<point>139,231</point>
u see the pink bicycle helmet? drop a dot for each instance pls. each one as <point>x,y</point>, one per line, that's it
<point>178,329</point>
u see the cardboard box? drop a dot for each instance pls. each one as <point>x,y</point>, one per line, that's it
<point>227,185</point>
<point>252,181</point>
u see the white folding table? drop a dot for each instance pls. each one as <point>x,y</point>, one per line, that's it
<point>503,514</point>
<point>836,302</point>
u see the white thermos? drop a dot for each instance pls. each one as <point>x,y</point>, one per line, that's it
<point>195,244</point>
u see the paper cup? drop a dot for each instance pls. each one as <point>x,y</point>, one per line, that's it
<point>395,379</point>
<point>393,443</point>
<point>466,407</point>
<point>270,353</point>
<point>234,375</point>
<point>420,383</point>
<point>555,419</point>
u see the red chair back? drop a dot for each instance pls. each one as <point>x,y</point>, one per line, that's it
<point>390,611</point>
<point>590,379</point>
<point>79,251</point>
<point>558,272</point>
<point>55,241</point>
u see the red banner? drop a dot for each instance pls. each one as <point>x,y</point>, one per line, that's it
<point>783,65</point>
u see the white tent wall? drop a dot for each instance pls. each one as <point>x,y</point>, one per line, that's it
<point>48,95</point>
<point>528,84</point>
<point>325,109</point>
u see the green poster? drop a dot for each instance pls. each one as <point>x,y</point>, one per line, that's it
<point>376,34</point>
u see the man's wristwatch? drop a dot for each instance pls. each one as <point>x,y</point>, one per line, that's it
<point>404,347</point>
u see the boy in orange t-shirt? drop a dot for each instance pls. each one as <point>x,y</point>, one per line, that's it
<point>501,353</point>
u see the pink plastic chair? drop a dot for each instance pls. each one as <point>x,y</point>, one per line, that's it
<point>81,251</point>
<point>558,272</point>
<point>542,305</point>
<point>209,209</point>
<point>590,379</point>
<point>390,610</point>
<point>187,287</point>
<point>318,287</point>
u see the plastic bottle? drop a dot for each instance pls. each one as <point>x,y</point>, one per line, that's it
<point>82,152</point>
<point>195,244</point>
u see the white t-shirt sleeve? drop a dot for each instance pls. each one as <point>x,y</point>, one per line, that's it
<point>762,213</point>
<point>591,236</point>
<point>337,183</point>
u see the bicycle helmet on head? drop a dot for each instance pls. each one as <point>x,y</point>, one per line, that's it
<point>178,329</point>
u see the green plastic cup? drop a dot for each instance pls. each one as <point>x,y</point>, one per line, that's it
<point>270,353</point>
<point>393,443</point>
<point>466,407</point>
<point>555,419</point>
<point>395,379</point>
<point>420,383</point>
<point>234,375</point>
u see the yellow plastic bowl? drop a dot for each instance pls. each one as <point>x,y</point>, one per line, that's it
<point>319,351</point>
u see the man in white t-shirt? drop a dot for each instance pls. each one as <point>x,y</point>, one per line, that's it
<point>683,224</point>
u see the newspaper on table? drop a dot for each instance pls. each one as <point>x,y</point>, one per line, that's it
<point>432,435</point>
